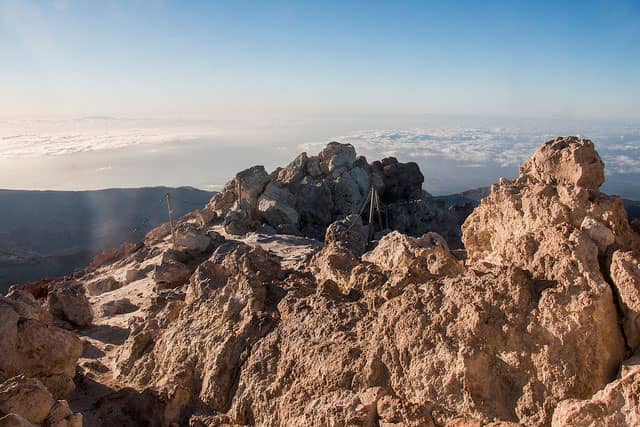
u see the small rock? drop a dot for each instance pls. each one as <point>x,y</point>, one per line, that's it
<point>119,306</point>
<point>101,286</point>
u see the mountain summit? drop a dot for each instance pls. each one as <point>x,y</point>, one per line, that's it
<point>336,292</point>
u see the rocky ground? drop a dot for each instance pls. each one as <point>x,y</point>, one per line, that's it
<point>281,305</point>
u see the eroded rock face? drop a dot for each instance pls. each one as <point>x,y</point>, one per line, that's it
<point>625,274</point>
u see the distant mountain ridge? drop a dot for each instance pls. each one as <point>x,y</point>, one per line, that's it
<point>52,233</point>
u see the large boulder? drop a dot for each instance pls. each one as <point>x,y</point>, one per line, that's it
<point>251,183</point>
<point>26,397</point>
<point>191,238</point>
<point>400,181</point>
<point>337,157</point>
<point>31,345</point>
<point>276,206</point>
<point>68,302</point>
<point>566,161</point>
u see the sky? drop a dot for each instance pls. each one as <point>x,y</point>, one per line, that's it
<point>184,59</point>
<point>100,94</point>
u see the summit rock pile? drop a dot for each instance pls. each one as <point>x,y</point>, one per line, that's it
<point>313,191</point>
<point>250,320</point>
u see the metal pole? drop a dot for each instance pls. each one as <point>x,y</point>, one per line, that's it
<point>173,231</point>
<point>378,208</point>
<point>371,203</point>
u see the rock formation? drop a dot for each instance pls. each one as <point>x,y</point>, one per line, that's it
<point>310,193</point>
<point>250,321</point>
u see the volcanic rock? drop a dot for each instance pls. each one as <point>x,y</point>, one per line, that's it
<point>68,302</point>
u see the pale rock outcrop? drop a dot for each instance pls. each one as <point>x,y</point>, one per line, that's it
<point>68,302</point>
<point>191,239</point>
<point>336,157</point>
<point>276,206</point>
<point>32,346</point>
<point>414,259</point>
<point>615,405</point>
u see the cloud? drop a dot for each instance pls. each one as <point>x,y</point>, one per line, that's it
<point>487,147</point>
<point>57,138</point>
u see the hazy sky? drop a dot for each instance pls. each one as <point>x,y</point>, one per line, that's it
<point>238,59</point>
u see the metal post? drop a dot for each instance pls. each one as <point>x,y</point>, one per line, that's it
<point>173,231</point>
<point>378,208</point>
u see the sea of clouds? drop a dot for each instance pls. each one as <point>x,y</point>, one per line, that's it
<point>452,157</point>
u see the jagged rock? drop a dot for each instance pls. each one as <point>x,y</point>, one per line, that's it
<point>252,182</point>
<point>625,275</point>
<point>566,161</point>
<point>68,302</point>
<point>416,259</point>
<point>26,305</point>
<point>192,239</point>
<point>276,206</point>
<point>118,306</point>
<point>102,285</point>
<point>602,236</point>
<point>26,397</point>
<point>615,405</point>
<point>236,222</point>
<point>348,233</point>
<point>36,348</point>
<point>336,157</point>
<point>400,181</point>
<point>171,271</point>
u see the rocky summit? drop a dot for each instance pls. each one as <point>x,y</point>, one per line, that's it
<point>336,292</point>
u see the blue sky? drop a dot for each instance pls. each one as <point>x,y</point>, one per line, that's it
<point>241,59</point>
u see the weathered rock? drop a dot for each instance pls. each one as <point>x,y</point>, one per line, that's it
<point>61,415</point>
<point>133,274</point>
<point>252,182</point>
<point>68,302</point>
<point>348,233</point>
<point>615,405</point>
<point>118,306</point>
<point>601,235</point>
<point>102,285</point>
<point>337,157</point>
<point>36,348</point>
<point>191,238</point>
<point>276,206</point>
<point>26,397</point>
<point>400,181</point>
<point>171,272</point>
<point>566,161</point>
<point>414,259</point>
<point>625,275</point>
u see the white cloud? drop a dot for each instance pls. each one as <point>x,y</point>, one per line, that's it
<point>483,147</point>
